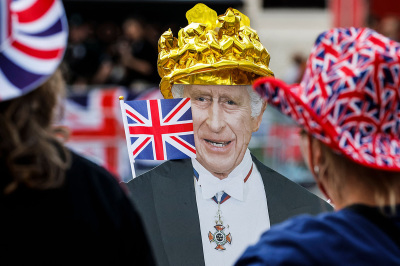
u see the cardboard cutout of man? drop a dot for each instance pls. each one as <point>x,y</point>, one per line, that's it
<point>206,211</point>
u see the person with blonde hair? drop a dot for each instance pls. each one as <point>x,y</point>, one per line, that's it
<point>348,107</point>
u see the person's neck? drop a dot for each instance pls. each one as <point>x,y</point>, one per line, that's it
<point>355,194</point>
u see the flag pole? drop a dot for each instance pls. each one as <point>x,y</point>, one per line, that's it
<point>125,121</point>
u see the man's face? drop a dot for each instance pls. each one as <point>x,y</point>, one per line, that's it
<point>222,125</point>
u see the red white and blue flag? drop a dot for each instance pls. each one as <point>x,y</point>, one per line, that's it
<point>33,37</point>
<point>96,128</point>
<point>159,129</point>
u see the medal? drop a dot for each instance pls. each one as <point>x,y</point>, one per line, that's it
<point>219,237</point>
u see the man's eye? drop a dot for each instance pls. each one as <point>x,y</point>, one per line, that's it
<point>231,102</point>
<point>201,99</point>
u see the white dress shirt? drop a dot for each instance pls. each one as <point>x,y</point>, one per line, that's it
<point>245,214</point>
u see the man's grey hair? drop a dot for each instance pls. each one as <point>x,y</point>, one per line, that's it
<point>256,101</point>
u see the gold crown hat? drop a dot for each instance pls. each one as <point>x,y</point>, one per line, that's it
<point>211,50</point>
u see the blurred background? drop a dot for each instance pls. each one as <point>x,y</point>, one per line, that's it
<point>112,52</point>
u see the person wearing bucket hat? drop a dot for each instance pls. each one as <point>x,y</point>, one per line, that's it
<point>207,210</point>
<point>57,208</point>
<point>348,107</point>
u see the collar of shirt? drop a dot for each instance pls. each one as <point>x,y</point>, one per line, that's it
<point>233,184</point>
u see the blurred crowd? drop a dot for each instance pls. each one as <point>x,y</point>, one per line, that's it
<point>125,53</point>
<point>388,26</point>
<point>111,53</point>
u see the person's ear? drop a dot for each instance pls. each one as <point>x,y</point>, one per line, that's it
<point>317,159</point>
<point>256,121</point>
<point>317,155</point>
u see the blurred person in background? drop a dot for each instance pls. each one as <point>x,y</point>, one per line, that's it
<point>390,27</point>
<point>137,54</point>
<point>57,207</point>
<point>107,32</point>
<point>83,55</point>
<point>207,210</point>
<point>295,71</point>
<point>348,108</point>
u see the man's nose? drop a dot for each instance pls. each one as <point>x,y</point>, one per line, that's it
<point>215,120</point>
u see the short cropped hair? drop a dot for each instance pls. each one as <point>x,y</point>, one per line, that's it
<point>338,170</point>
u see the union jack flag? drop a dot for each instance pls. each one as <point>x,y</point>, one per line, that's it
<point>95,126</point>
<point>159,129</point>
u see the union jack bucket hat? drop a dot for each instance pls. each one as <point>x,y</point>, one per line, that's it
<point>349,96</point>
<point>33,37</point>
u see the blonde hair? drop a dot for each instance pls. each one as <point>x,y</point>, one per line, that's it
<point>30,152</point>
<point>339,170</point>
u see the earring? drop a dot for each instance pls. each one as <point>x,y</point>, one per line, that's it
<point>316,169</point>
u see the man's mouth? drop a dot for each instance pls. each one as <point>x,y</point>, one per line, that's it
<point>218,144</point>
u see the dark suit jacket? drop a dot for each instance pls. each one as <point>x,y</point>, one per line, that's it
<point>165,198</point>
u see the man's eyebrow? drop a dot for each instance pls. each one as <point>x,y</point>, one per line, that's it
<point>235,98</point>
<point>197,92</point>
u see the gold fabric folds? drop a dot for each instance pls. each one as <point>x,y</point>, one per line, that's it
<point>212,50</point>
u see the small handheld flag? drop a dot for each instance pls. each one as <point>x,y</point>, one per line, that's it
<point>158,129</point>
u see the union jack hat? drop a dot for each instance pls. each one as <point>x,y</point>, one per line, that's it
<point>33,37</point>
<point>348,97</point>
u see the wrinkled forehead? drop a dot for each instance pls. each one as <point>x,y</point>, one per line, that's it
<point>218,90</point>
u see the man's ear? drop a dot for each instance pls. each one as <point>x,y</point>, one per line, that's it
<point>256,121</point>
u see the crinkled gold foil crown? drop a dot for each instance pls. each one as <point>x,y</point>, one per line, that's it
<point>211,50</point>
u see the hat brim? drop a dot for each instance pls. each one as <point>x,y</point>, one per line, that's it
<point>33,47</point>
<point>379,151</point>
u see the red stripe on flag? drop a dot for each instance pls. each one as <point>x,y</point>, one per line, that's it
<point>330,50</point>
<point>141,145</point>
<point>183,144</point>
<point>347,71</point>
<point>157,129</point>
<point>109,126</point>
<point>49,54</point>
<point>376,41</point>
<point>177,110</point>
<point>155,117</point>
<point>134,116</point>
<point>321,84</point>
<point>36,11</point>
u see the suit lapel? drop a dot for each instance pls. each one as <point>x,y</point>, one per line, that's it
<point>176,209</point>
<point>271,193</point>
